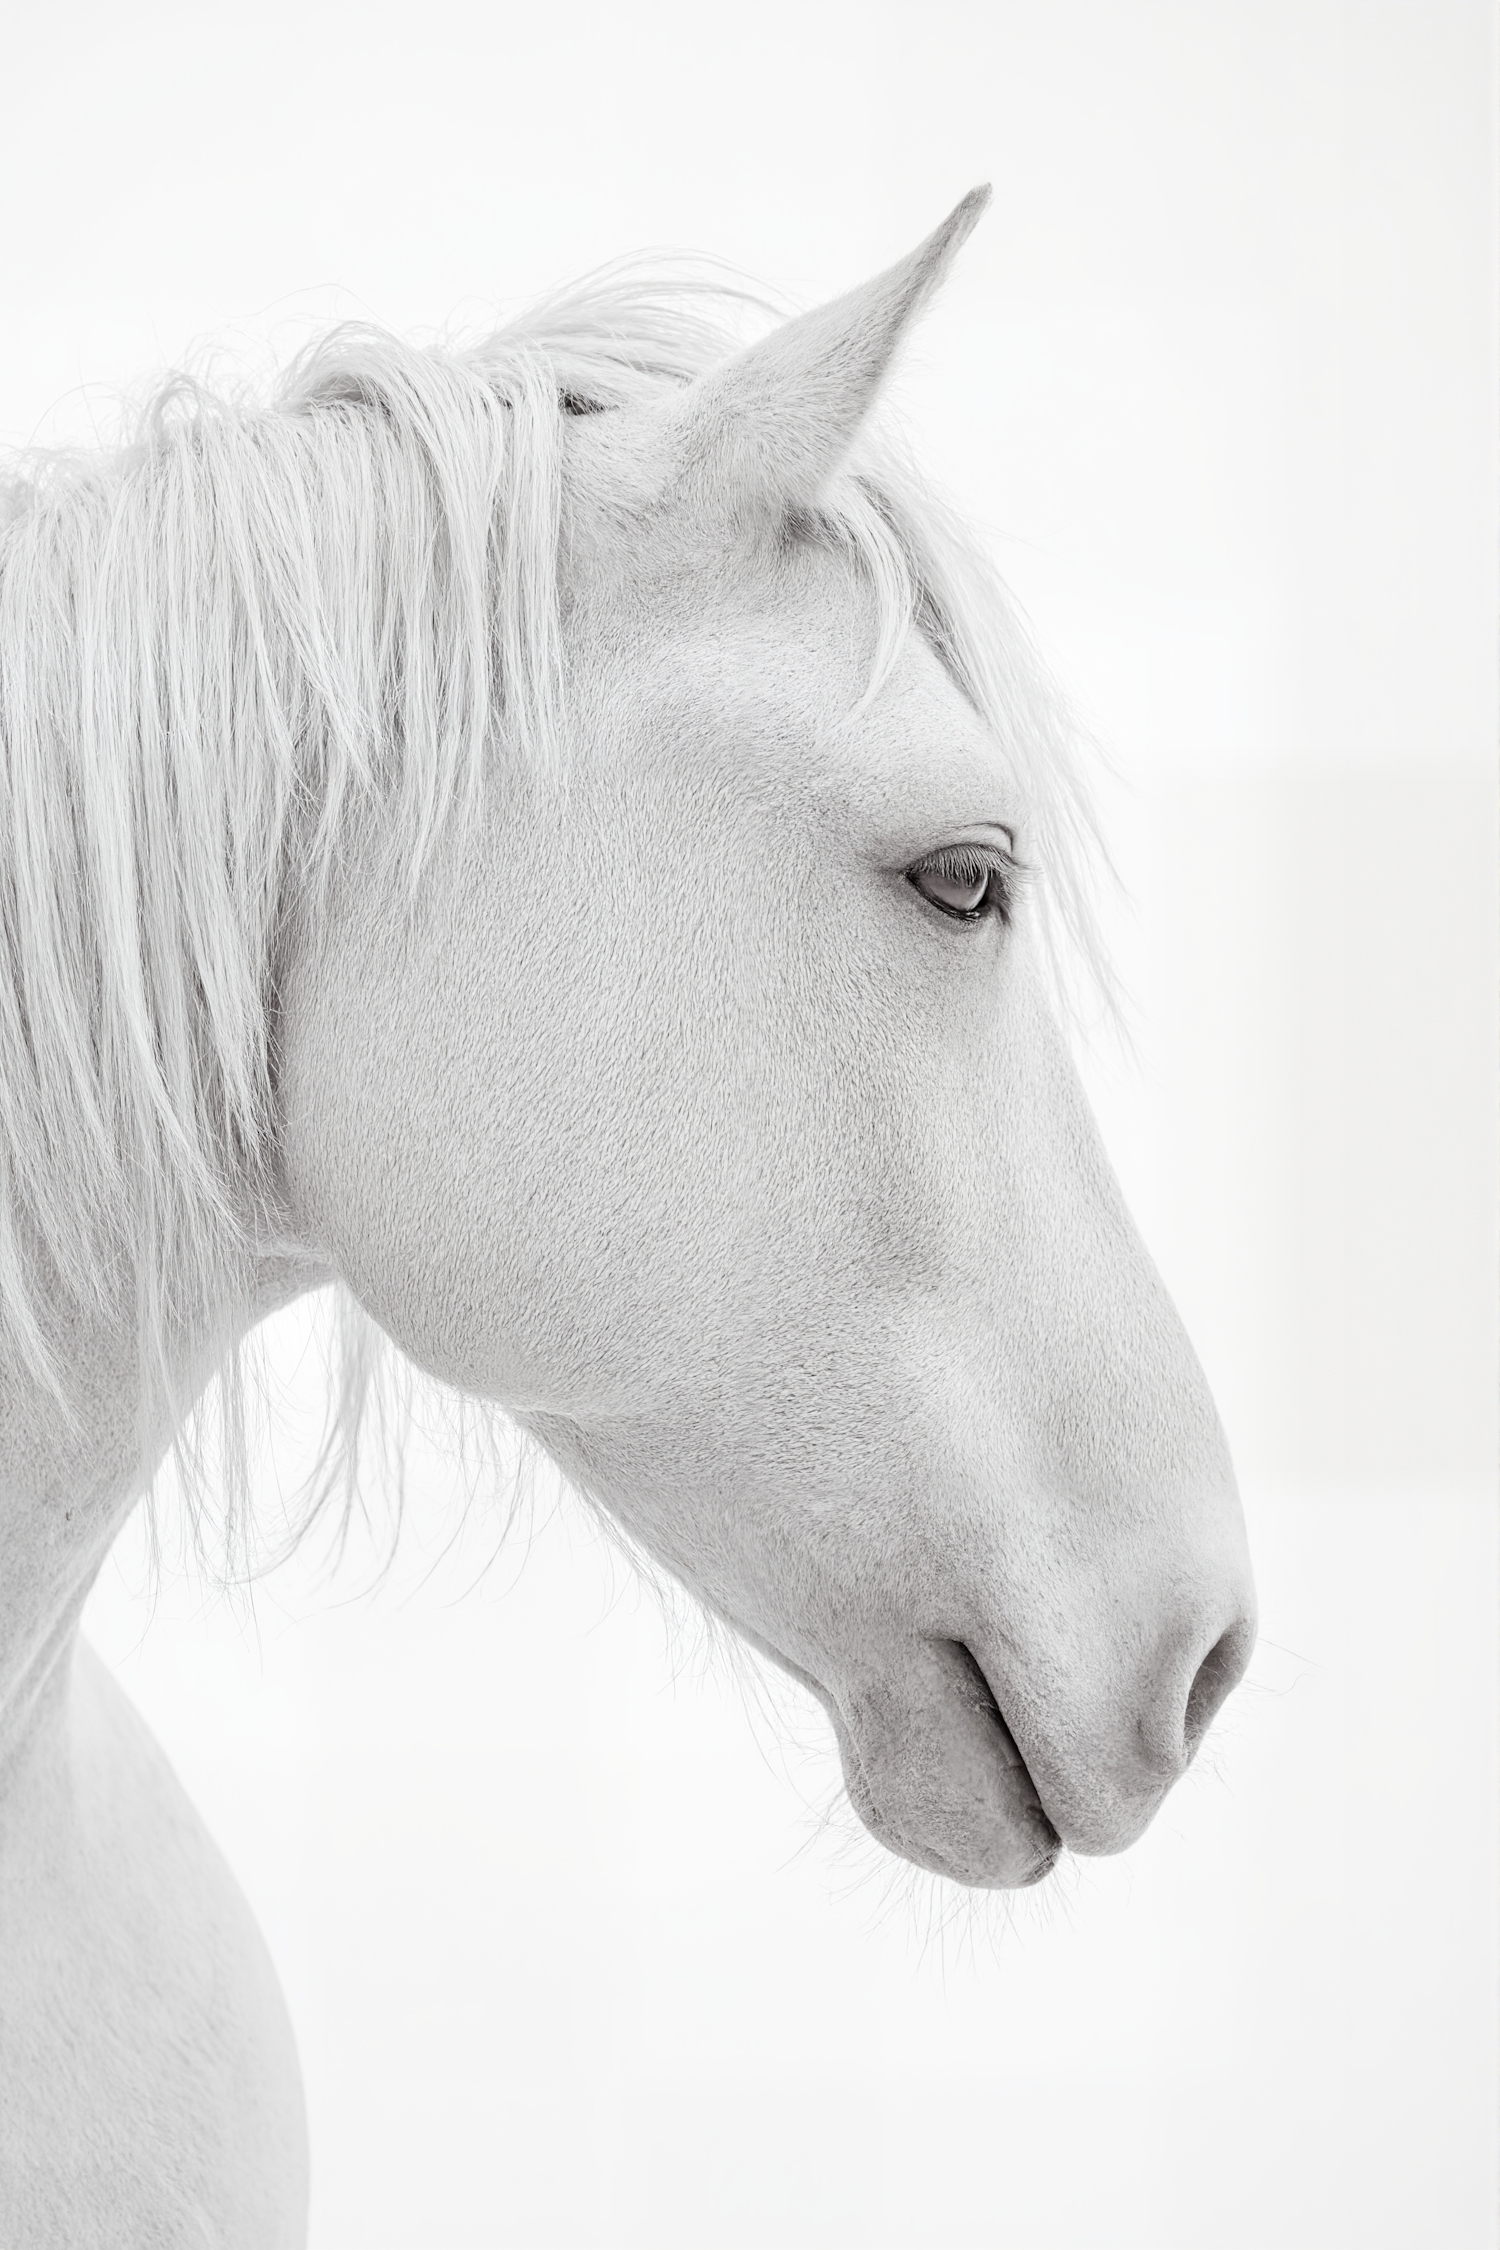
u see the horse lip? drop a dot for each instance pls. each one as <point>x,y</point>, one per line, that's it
<point>1048,1839</point>
<point>921,1851</point>
<point>1016,1759</point>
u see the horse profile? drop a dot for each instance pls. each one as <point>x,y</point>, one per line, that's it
<point>559,837</point>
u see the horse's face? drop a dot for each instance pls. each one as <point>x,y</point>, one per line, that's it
<point>762,1188</point>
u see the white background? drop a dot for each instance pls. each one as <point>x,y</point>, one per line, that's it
<point>574,1953</point>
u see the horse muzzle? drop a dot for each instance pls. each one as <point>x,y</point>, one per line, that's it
<point>934,1773</point>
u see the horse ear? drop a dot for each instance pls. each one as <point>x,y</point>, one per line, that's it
<point>763,432</point>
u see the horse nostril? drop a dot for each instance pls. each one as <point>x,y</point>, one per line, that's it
<point>1220,1670</point>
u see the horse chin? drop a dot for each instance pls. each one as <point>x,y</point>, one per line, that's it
<point>947,1789</point>
<point>933,1771</point>
<point>994,1858</point>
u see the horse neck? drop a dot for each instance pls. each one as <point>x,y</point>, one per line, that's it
<point>69,1478</point>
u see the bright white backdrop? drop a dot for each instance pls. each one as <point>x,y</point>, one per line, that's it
<point>573,1959</point>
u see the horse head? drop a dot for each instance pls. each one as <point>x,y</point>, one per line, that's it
<point>708,1109</point>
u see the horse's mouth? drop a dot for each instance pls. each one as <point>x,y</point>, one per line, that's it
<point>1049,1842</point>
<point>934,1772</point>
<point>940,1780</point>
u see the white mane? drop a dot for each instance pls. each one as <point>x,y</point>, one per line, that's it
<point>255,621</point>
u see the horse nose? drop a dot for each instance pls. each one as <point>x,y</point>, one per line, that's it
<point>1221,1670</point>
<point>1103,1758</point>
<point>1178,1701</point>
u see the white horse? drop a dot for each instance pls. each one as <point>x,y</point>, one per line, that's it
<point>559,838</point>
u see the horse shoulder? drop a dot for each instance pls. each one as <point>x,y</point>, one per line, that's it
<point>149,2089</point>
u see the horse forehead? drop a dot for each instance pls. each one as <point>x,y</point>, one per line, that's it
<point>763,651</point>
<point>780,663</point>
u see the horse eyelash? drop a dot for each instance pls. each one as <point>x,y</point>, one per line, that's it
<point>966,863</point>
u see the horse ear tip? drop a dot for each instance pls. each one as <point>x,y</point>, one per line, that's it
<point>946,240</point>
<point>969,210</point>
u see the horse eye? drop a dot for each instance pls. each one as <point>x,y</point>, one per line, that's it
<point>964,884</point>
<point>959,895</point>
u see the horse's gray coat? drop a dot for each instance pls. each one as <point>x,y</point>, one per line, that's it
<point>648,1020</point>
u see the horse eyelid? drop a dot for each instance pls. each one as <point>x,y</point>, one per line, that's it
<point>965,862</point>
